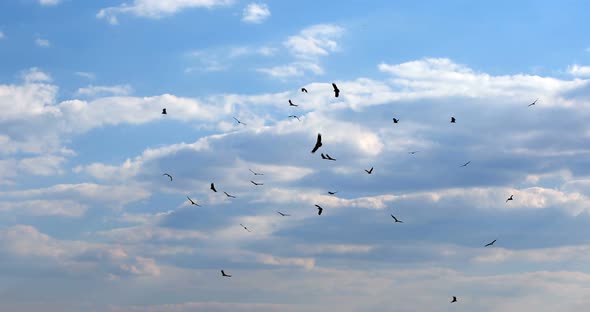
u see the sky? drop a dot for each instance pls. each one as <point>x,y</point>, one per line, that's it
<point>88,221</point>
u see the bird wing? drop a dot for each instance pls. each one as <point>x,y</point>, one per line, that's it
<point>318,143</point>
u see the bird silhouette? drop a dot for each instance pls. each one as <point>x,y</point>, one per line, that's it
<point>283,214</point>
<point>293,116</point>
<point>327,157</point>
<point>413,152</point>
<point>228,195</point>
<point>164,111</point>
<point>395,120</point>
<point>245,228</point>
<point>166,174</point>
<point>291,103</point>
<point>510,198</point>
<point>303,90</point>
<point>465,164</point>
<point>318,143</point>
<point>454,299</point>
<point>336,90</point>
<point>369,171</point>
<point>239,122</point>
<point>320,209</point>
<point>256,183</point>
<point>332,193</point>
<point>490,244</point>
<point>396,220</point>
<point>535,102</point>
<point>213,187</point>
<point>256,173</point>
<point>224,275</point>
<point>192,202</point>
<point>453,119</point>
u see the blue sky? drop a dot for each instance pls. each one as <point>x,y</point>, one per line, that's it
<point>88,222</point>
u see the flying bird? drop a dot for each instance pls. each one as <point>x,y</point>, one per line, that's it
<point>535,102</point>
<point>224,275</point>
<point>454,299</point>
<point>166,174</point>
<point>320,209</point>
<point>465,164</point>
<point>395,120</point>
<point>283,214</point>
<point>369,171</point>
<point>336,90</point>
<point>332,193</point>
<point>453,120</point>
<point>228,195</point>
<point>396,220</point>
<point>318,143</point>
<point>293,116</point>
<point>256,173</point>
<point>291,103</point>
<point>256,183</point>
<point>490,244</point>
<point>327,157</point>
<point>192,202</point>
<point>164,111</point>
<point>413,152</point>
<point>213,187</point>
<point>303,90</point>
<point>245,228</point>
<point>510,198</point>
<point>239,122</point>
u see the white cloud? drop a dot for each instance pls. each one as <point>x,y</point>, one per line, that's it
<point>157,8</point>
<point>38,207</point>
<point>314,41</point>
<point>578,70</point>
<point>87,75</point>
<point>49,2</point>
<point>46,165</point>
<point>44,43</point>
<point>1,35</point>
<point>307,47</point>
<point>255,13</point>
<point>93,91</point>
<point>33,75</point>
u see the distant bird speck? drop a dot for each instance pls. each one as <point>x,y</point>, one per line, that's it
<point>255,173</point>
<point>256,183</point>
<point>168,175</point>
<point>332,193</point>
<point>303,90</point>
<point>228,195</point>
<point>396,220</point>
<point>245,228</point>
<point>320,209</point>
<point>283,214</point>
<point>293,116</point>
<point>164,111</point>
<point>535,102</point>
<point>291,103</point>
<point>454,299</point>
<point>318,143</point>
<point>465,164</point>
<point>369,171</point>
<point>239,122</point>
<point>213,187</point>
<point>490,244</point>
<point>336,90</point>
<point>192,202</point>
<point>224,275</point>
<point>395,120</point>
<point>453,119</point>
<point>510,198</point>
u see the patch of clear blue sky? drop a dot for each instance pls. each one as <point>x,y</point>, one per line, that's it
<point>496,37</point>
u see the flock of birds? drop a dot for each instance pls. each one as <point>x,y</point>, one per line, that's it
<point>318,145</point>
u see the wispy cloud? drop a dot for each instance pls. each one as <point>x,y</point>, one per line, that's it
<point>157,9</point>
<point>255,13</point>
<point>87,75</point>
<point>92,91</point>
<point>578,70</point>
<point>43,43</point>
<point>49,2</point>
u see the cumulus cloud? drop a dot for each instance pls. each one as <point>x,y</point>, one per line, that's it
<point>43,43</point>
<point>579,70</point>
<point>255,13</point>
<point>92,91</point>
